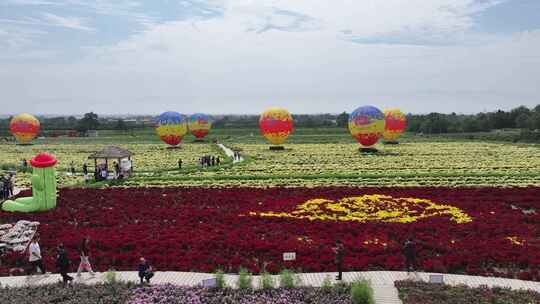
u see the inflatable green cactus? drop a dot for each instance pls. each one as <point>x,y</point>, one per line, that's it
<point>43,187</point>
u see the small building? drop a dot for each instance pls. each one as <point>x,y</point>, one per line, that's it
<point>121,156</point>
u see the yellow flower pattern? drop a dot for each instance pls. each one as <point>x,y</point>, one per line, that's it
<point>373,207</point>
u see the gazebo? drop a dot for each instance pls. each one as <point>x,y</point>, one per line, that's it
<point>111,152</point>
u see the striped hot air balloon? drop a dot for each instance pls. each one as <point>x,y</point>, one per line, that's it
<point>199,125</point>
<point>366,125</point>
<point>171,127</point>
<point>395,124</point>
<point>276,124</point>
<point>24,127</point>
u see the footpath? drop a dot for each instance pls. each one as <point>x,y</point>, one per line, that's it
<point>230,153</point>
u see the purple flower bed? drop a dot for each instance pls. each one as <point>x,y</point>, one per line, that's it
<point>186,295</point>
<point>411,292</point>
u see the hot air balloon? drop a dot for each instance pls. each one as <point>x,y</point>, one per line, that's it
<point>199,125</point>
<point>171,127</point>
<point>366,125</point>
<point>24,127</point>
<point>276,124</point>
<point>395,124</point>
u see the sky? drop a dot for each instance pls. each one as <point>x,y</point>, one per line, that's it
<point>242,56</point>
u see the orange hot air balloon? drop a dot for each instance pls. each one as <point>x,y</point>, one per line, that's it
<point>24,127</point>
<point>276,124</point>
<point>396,123</point>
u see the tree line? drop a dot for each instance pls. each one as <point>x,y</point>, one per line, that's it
<point>433,123</point>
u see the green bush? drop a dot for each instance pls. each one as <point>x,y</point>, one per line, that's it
<point>244,279</point>
<point>287,279</point>
<point>266,281</point>
<point>361,293</point>
<point>8,167</point>
<point>327,285</point>
<point>110,277</point>
<point>220,279</point>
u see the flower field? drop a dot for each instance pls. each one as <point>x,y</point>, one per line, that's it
<point>309,165</point>
<point>148,158</point>
<point>411,292</point>
<point>480,231</point>
<point>407,164</point>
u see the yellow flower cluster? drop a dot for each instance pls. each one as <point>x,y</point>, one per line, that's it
<point>515,240</point>
<point>375,241</point>
<point>375,207</point>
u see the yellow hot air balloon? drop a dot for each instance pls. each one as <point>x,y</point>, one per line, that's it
<point>24,127</point>
<point>276,124</point>
<point>395,124</point>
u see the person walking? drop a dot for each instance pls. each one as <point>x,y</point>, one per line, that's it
<point>339,252</point>
<point>10,185</point>
<point>218,161</point>
<point>62,263</point>
<point>85,255</point>
<point>72,168</point>
<point>35,257</point>
<point>409,251</point>
<point>179,163</point>
<point>2,191</point>
<point>116,169</point>
<point>145,270</point>
<point>5,187</point>
<point>85,173</point>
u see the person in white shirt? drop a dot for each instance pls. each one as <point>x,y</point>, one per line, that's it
<point>35,256</point>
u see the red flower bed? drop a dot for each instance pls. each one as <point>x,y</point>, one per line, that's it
<point>200,229</point>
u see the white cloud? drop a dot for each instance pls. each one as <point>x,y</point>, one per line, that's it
<point>67,22</point>
<point>218,66</point>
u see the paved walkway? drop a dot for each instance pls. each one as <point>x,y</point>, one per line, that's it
<point>230,153</point>
<point>381,281</point>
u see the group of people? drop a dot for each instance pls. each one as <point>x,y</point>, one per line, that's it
<point>408,250</point>
<point>6,186</point>
<point>209,161</point>
<point>102,171</point>
<point>62,260</point>
<point>63,263</point>
<point>146,271</point>
<point>237,156</point>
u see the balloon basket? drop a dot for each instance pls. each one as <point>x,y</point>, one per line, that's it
<point>277,148</point>
<point>174,147</point>
<point>199,140</point>
<point>24,144</point>
<point>368,150</point>
<point>391,142</point>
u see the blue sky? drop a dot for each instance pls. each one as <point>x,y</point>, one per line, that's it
<point>228,56</point>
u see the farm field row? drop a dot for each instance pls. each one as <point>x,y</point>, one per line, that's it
<point>406,164</point>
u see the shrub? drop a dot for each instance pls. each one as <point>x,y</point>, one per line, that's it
<point>220,279</point>
<point>361,293</point>
<point>266,281</point>
<point>327,285</point>
<point>244,279</point>
<point>110,277</point>
<point>287,279</point>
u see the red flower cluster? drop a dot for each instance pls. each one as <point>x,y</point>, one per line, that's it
<point>201,229</point>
